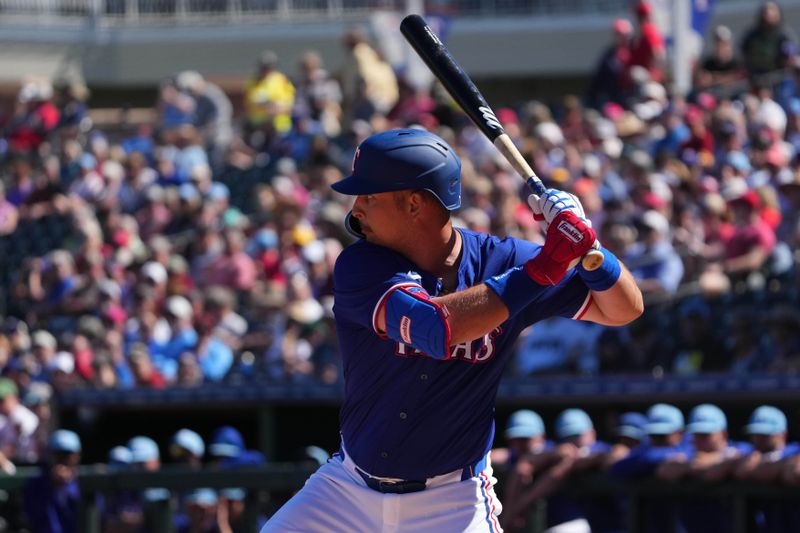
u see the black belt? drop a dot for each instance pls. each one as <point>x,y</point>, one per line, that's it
<point>391,487</point>
<point>407,485</point>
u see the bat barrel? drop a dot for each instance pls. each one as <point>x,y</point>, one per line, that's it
<point>458,84</point>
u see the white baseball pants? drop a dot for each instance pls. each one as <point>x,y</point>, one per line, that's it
<point>337,499</point>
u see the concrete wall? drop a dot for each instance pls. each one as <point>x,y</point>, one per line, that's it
<point>519,47</point>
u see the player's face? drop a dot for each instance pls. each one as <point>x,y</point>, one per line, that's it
<point>709,442</point>
<point>381,217</point>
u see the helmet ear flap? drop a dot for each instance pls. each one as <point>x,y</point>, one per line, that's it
<point>353,226</point>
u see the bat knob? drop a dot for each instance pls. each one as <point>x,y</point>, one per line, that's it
<point>592,260</point>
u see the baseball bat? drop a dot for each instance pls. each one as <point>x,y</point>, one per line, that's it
<point>463,90</point>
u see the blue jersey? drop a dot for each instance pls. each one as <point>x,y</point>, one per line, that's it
<point>598,510</point>
<point>777,515</point>
<point>699,513</point>
<point>406,415</point>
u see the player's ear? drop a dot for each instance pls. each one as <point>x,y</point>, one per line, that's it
<point>415,201</point>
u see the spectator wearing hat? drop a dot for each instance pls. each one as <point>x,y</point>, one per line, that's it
<point>187,447</point>
<point>38,400</point>
<point>213,112</point>
<point>751,241</point>
<point>34,118</point>
<point>52,498</point>
<point>179,314</point>
<point>608,81</point>
<point>18,425</point>
<point>652,260</point>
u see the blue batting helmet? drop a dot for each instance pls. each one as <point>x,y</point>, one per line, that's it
<point>397,160</point>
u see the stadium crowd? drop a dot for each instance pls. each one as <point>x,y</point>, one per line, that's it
<point>199,247</point>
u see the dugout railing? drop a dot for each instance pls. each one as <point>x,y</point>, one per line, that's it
<point>738,498</point>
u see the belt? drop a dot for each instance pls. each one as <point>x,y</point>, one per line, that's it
<point>405,486</point>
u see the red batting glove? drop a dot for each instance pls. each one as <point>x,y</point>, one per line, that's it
<point>568,238</point>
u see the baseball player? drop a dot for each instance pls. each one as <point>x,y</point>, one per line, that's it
<point>711,458</point>
<point>426,316</point>
<point>664,429</point>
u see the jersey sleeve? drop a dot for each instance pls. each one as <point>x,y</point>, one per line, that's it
<point>363,276</point>
<point>569,299</point>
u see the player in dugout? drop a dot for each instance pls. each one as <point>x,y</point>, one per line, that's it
<point>426,316</point>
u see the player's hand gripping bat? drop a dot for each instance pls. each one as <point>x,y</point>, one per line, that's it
<point>464,91</point>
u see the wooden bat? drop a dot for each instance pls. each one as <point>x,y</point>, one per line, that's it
<point>428,46</point>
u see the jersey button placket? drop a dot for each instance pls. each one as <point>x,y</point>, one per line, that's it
<point>403,415</point>
<point>384,455</point>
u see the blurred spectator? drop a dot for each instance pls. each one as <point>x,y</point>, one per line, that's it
<point>9,215</point>
<point>648,45</point>
<point>318,94</point>
<point>751,240</point>
<point>175,107</point>
<point>609,79</point>
<point>368,82</point>
<point>213,113</point>
<point>18,427</point>
<point>653,261</point>
<point>269,98</point>
<point>52,499</point>
<point>34,117</point>
<point>183,337</point>
<point>698,347</point>
<point>768,45</point>
<point>721,66</point>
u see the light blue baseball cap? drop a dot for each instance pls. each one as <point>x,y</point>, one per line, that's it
<point>766,420</point>
<point>143,449</point>
<point>65,441</point>
<point>189,441</point>
<point>572,422</point>
<point>119,456</point>
<point>524,424</point>
<point>632,425</point>
<point>663,419</point>
<point>707,418</point>
<point>202,497</point>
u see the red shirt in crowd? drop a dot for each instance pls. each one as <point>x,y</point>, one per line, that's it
<point>646,49</point>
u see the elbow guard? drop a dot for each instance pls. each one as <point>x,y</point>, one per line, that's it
<point>414,319</point>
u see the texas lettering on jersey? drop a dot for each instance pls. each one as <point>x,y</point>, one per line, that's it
<point>478,351</point>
